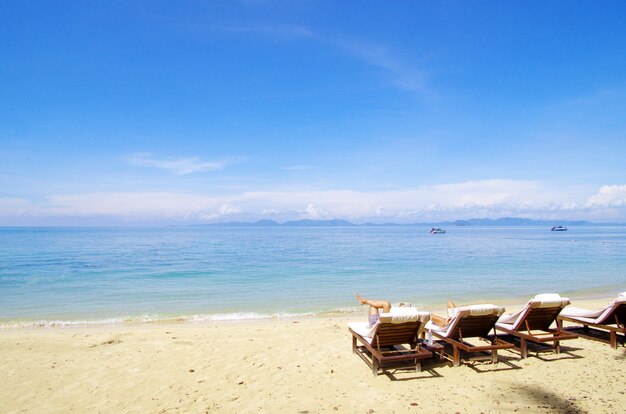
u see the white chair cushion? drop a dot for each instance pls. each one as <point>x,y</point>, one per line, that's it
<point>479,310</point>
<point>574,312</point>
<point>398,316</point>
<point>431,326</point>
<point>403,310</point>
<point>588,316</point>
<point>593,316</point>
<point>548,297</point>
<point>464,311</point>
<point>508,318</point>
<point>364,329</point>
<point>402,315</point>
<point>549,300</point>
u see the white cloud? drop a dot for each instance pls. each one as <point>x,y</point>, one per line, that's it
<point>488,198</point>
<point>227,209</point>
<point>221,212</point>
<point>608,196</point>
<point>314,212</point>
<point>270,212</point>
<point>179,165</point>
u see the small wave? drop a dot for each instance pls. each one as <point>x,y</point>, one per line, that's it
<point>340,311</point>
<point>57,323</point>
<point>209,317</point>
<point>241,316</point>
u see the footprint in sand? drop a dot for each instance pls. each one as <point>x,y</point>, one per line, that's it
<point>109,342</point>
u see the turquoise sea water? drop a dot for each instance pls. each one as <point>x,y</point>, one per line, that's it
<point>73,275</point>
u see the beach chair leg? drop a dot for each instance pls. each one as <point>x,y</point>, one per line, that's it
<point>353,344</point>
<point>494,356</point>
<point>613,337</point>
<point>418,366</point>
<point>557,347</point>
<point>375,367</point>
<point>523,348</point>
<point>456,356</point>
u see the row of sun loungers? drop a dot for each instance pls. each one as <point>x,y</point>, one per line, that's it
<point>539,322</point>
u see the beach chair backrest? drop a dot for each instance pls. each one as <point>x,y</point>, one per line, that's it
<point>541,312</point>
<point>474,326</point>
<point>389,334</point>
<point>616,316</point>
<point>539,318</point>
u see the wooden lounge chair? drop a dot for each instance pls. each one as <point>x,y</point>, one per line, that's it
<point>611,318</point>
<point>475,321</point>
<point>379,345</point>
<point>533,322</point>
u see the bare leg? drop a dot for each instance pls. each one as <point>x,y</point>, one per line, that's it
<point>438,320</point>
<point>374,305</point>
<point>441,321</point>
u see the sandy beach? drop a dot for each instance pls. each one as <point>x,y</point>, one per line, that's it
<point>300,365</point>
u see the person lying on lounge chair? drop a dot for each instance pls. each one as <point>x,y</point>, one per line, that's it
<point>376,306</point>
<point>440,320</point>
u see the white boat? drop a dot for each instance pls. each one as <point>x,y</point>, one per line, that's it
<point>437,231</point>
<point>559,228</point>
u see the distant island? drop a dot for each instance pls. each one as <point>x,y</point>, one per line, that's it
<point>484,222</point>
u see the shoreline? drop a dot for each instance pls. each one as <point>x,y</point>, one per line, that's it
<point>597,300</point>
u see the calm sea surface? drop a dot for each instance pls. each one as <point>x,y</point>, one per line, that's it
<point>201,273</point>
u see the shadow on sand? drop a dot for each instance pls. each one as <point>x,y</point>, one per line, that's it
<point>504,364</point>
<point>405,375</point>
<point>597,334</point>
<point>544,352</point>
<point>547,400</point>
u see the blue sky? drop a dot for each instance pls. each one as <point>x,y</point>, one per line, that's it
<point>158,112</point>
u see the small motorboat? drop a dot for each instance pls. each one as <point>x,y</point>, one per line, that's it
<point>559,228</point>
<point>437,231</point>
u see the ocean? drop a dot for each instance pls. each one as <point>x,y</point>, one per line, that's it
<point>67,276</point>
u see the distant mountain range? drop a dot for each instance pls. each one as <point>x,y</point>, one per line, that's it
<point>514,221</point>
<point>506,221</point>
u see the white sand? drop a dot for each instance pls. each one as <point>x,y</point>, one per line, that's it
<point>291,365</point>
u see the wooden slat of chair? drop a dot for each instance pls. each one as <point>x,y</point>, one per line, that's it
<point>389,335</point>
<point>539,319</point>
<point>474,327</point>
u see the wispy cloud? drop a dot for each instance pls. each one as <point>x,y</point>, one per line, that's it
<point>179,165</point>
<point>402,75</point>
<point>297,168</point>
<point>273,30</point>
